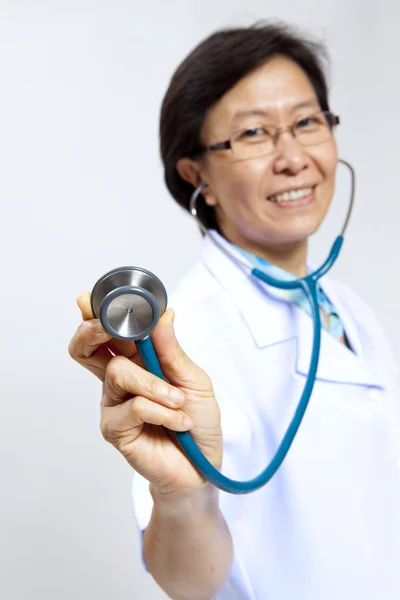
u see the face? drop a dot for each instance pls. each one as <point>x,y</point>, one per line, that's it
<point>246,193</point>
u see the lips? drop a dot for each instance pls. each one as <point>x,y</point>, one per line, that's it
<point>292,195</point>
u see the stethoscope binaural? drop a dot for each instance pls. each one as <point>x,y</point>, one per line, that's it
<point>130,300</point>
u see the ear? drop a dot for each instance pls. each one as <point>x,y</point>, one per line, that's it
<point>189,170</point>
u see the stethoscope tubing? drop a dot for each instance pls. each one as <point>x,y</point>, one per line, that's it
<point>188,445</point>
<point>308,285</point>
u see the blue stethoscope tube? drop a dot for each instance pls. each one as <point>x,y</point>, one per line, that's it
<point>308,285</point>
<point>184,439</point>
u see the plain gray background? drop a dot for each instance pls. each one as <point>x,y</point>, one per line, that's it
<point>82,192</point>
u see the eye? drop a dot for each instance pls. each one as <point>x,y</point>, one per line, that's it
<point>254,133</point>
<point>308,122</point>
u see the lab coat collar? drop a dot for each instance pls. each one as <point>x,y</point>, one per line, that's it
<point>281,320</point>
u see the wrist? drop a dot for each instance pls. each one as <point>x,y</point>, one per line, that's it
<point>203,499</point>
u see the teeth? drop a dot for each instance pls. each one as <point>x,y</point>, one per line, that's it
<point>293,195</point>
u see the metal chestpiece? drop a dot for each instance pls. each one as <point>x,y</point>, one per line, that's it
<point>129,302</point>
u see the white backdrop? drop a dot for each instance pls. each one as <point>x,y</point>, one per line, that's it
<point>81,190</point>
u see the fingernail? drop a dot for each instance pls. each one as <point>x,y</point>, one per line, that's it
<point>170,315</point>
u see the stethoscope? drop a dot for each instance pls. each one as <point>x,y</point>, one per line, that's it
<point>130,300</point>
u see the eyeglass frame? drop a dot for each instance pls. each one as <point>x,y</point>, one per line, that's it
<point>227,144</point>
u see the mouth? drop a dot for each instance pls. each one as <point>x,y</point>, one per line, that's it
<point>295,197</point>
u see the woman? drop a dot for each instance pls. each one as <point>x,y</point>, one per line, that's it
<point>247,117</point>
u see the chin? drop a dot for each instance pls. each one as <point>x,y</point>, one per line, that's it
<point>298,232</point>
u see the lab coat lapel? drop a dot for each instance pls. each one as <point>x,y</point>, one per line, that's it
<point>337,363</point>
<point>263,309</point>
<point>272,319</point>
<point>352,367</point>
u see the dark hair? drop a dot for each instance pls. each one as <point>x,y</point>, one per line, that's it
<point>207,73</point>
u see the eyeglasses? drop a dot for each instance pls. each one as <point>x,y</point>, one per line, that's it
<point>260,140</point>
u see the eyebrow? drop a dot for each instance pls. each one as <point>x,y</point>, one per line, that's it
<point>258,112</point>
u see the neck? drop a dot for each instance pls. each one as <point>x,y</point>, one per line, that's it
<point>292,257</point>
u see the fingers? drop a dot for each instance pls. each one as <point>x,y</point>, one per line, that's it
<point>83,302</point>
<point>145,411</point>
<point>125,348</point>
<point>88,347</point>
<point>88,337</point>
<point>127,419</point>
<point>154,402</point>
<point>124,377</point>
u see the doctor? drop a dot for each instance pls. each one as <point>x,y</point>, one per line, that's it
<point>247,113</point>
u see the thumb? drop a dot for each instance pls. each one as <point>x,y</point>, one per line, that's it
<point>175,364</point>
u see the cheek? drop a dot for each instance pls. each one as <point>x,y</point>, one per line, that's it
<point>239,182</point>
<point>326,159</point>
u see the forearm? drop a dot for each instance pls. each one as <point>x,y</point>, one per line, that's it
<point>188,546</point>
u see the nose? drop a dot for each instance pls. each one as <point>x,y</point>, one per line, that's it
<point>290,156</point>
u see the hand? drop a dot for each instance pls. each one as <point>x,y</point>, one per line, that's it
<point>138,409</point>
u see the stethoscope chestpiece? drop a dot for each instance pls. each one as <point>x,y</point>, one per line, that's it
<point>129,302</point>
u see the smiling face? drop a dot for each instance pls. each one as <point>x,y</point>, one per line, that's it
<point>272,202</point>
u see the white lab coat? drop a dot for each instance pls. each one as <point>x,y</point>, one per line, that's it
<point>327,526</point>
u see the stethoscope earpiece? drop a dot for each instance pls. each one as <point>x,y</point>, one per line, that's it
<point>129,302</point>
